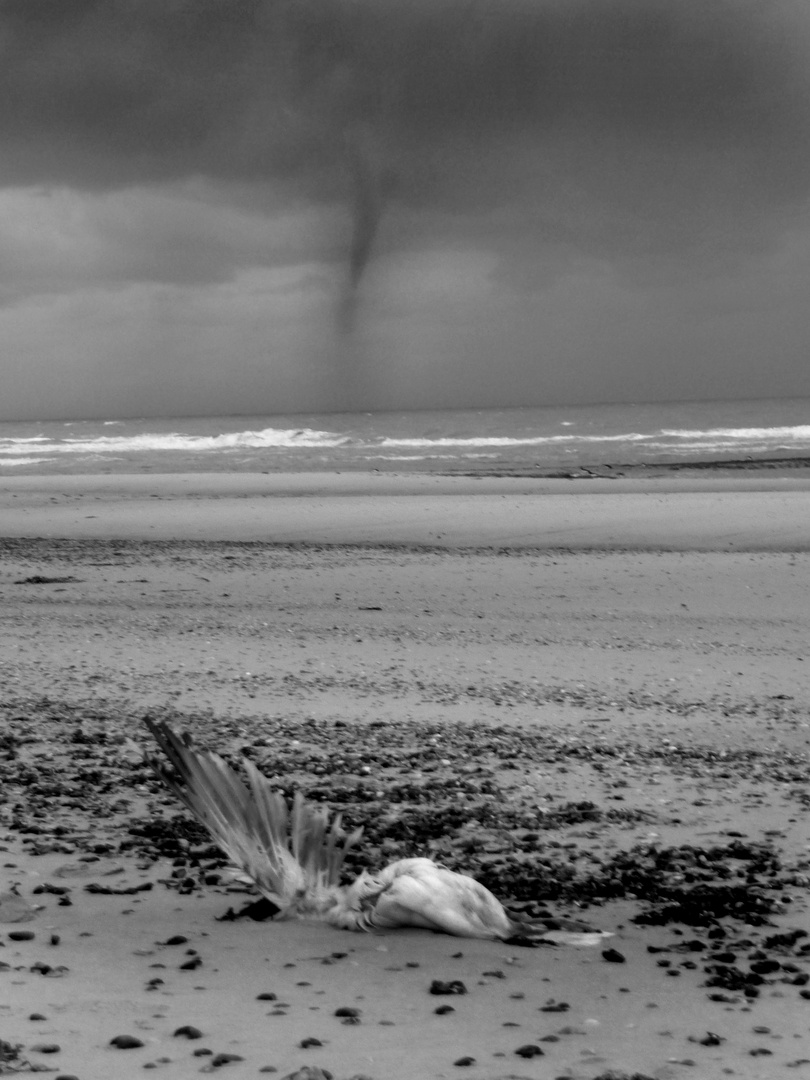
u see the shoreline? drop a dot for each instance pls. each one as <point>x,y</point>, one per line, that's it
<point>665,513</point>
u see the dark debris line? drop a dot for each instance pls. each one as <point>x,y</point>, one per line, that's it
<point>69,783</point>
<point>470,817</point>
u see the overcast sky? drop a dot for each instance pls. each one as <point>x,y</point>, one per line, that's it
<point>256,206</point>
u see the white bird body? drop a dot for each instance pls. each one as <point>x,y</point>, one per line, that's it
<point>418,892</point>
<point>294,855</point>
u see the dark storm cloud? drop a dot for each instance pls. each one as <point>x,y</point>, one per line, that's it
<point>626,126</point>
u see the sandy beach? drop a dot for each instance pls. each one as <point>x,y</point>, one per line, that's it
<point>591,694</point>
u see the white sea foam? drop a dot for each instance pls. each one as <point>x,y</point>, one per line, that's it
<point>799,432</point>
<point>151,441</point>
<point>504,440</point>
<point>24,460</point>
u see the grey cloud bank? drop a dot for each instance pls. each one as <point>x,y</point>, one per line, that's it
<point>575,177</point>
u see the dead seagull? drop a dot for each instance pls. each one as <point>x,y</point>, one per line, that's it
<point>294,854</point>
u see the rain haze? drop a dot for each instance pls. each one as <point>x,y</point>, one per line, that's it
<point>255,206</point>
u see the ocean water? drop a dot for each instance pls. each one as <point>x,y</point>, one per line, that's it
<point>443,441</point>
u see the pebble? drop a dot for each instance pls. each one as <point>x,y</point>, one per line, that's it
<point>529,1050</point>
<point>455,986</point>
<point>125,1042</point>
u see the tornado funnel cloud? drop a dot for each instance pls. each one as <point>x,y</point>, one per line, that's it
<point>367,208</point>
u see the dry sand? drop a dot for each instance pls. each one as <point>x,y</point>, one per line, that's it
<point>575,670</point>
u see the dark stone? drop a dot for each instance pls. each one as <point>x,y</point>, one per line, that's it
<point>125,1042</point>
<point>765,967</point>
<point>455,986</point>
<point>530,1050</point>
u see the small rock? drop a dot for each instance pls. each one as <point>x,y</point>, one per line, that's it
<point>189,1031</point>
<point>348,1011</point>
<point>463,1061</point>
<point>224,1059</point>
<point>455,986</point>
<point>765,967</point>
<point>125,1042</point>
<point>21,935</point>
<point>530,1050</point>
<point>306,1043</point>
<point>268,995</point>
<point>443,1010</point>
<point>46,1048</point>
<point>613,956</point>
<point>310,1072</point>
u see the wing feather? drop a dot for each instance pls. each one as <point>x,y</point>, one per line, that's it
<point>294,852</point>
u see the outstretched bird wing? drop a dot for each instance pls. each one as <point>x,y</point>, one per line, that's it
<point>294,854</point>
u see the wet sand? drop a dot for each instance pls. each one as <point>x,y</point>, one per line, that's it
<point>670,512</point>
<point>595,700</point>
